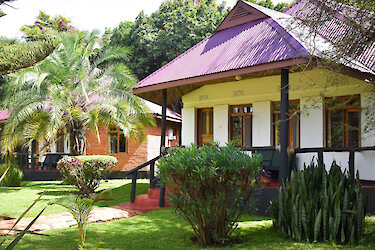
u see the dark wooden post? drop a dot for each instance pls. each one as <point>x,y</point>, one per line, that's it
<point>162,142</point>
<point>163,121</point>
<point>320,158</point>
<point>284,126</point>
<point>134,186</point>
<point>351,163</point>
<point>152,172</point>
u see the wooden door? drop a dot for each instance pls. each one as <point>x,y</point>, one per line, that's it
<point>205,126</point>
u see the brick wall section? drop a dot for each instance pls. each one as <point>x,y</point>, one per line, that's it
<point>137,153</point>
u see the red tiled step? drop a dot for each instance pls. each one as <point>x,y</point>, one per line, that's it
<point>147,202</point>
<point>154,193</point>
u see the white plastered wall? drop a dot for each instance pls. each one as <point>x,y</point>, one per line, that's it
<point>221,124</point>
<point>311,127</point>
<point>364,161</point>
<point>262,123</point>
<point>188,126</point>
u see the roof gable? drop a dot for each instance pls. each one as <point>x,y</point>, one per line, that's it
<point>240,14</point>
<point>240,46</point>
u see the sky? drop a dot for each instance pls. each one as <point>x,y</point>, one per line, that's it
<point>84,14</point>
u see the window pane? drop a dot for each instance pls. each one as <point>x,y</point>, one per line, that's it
<point>248,132</point>
<point>113,143</point>
<point>276,129</point>
<point>277,107</point>
<point>112,128</point>
<point>236,127</point>
<point>204,122</point>
<point>294,129</point>
<point>336,128</point>
<point>122,143</point>
<point>235,110</point>
<point>353,129</point>
<point>60,144</point>
<point>247,109</point>
<point>211,122</point>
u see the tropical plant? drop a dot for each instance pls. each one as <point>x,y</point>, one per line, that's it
<point>11,175</point>
<point>317,205</point>
<point>80,208</point>
<point>16,55</point>
<point>86,172</point>
<point>210,187</point>
<point>68,93</point>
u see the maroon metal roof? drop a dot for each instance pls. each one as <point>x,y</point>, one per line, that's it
<point>253,43</point>
<point>266,40</point>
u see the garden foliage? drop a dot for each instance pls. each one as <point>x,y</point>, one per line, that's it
<point>13,176</point>
<point>318,205</point>
<point>86,172</point>
<point>210,187</point>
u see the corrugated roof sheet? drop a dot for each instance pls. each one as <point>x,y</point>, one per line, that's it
<point>271,39</point>
<point>257,42</point>
<point>332,29</point>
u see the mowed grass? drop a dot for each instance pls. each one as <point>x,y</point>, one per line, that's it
<point>15,200</point>
<point>159,229</point>
<point>163,229</point>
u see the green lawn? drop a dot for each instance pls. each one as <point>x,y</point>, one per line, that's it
<point>159,229</point>
<point>163,229</point>
<point>15,200</point>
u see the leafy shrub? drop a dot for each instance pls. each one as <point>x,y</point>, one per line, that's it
<point>210,187</point>
<point>13,177</point>
<point>86,172</point>
<point>318,205</point>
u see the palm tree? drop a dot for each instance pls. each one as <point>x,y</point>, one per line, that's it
<point>78,87</point>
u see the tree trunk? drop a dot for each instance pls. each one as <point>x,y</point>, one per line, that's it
<point>77,138</point>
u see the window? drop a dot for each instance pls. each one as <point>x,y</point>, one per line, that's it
<point>342,121</point>
<point>240,125</point>
<point>60,143</point>
<point>117,141</point>
<point>205,126</point>
<point>293,123</point>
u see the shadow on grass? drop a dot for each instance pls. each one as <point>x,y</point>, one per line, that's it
<point>122,194</point>
<point>58,193</point>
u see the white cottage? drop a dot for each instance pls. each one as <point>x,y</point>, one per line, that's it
<point>256,82</point>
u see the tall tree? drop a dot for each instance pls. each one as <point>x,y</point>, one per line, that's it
<point>15,55</point>
<point>175,27</point>
<point>67,93</point>
<point>1,3</point>
<point>41,42</point>
<point>44,25</point>
<point>270,5</point>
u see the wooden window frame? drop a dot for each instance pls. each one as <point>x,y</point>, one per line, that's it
<point>117,131</point>
<point>347,108</point>
<point>241,114</point>
<point>60,141</point>
<point>294,111</point>
<point>198,136</point>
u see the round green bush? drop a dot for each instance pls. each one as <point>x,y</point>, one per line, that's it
<point>86,171</point>
<point>210,187</point>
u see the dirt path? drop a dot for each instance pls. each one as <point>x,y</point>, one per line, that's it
<point>63,220</point>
